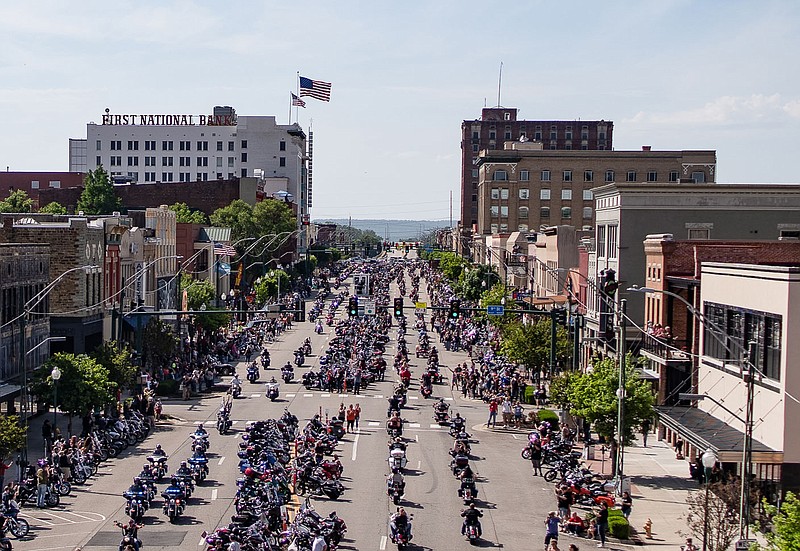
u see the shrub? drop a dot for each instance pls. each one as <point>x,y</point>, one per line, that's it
<point>528,398</point>
<point>618,525</point>
<point>167,387</point>
<point>549,416</point>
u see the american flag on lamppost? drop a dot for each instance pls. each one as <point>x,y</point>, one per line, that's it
<point>221,249</point>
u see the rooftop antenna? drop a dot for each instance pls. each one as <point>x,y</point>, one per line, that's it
<point>499,83</point>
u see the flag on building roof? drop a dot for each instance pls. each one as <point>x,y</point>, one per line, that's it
<point>297,102</point>
<point>316,89</point>
<point>220,249</point>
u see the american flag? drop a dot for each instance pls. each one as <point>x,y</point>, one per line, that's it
<point>316,89</point>
<point>220,249</point>
<point>297,101</point>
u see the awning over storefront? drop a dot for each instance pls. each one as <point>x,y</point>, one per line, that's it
<point>648,374</point>
<point>702,430</point>
<point>9,391</point>
<point>544,301</point>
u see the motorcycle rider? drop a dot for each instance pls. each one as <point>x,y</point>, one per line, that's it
<point>471,517</point>
<point>159,452</point>
<point>130,530</point>
<point>201,429</point>
<point>467,478</point>
<point>236,383</point>
<point>396,478</point>
<point>441,407</point>
<point>395,423</point>
<point>394,404</point>
<point>458,423</point>
<point>183,470</point>
<point>400,524</point>
<point>173,491</point>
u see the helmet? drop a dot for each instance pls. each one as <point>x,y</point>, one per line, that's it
<point>173,481</point>
<point>199,425</point>
<point>146,467</point>
<point>183,463</point>
<point>137,480</point>
<point>158,447</point>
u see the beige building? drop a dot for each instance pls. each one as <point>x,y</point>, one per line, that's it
<point>523,186</point>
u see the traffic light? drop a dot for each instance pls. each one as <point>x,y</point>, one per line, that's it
<point>398,307</point>
<point>352,306</point>
<point>560,316</point>
<point>455,309</point>
<point>610,283</point>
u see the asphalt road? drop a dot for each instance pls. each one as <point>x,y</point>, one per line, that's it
<point>514,503</point>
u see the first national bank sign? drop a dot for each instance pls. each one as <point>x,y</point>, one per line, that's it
<point>169,120</point>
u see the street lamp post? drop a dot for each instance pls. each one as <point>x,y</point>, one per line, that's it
<point>56,375</point>
<point>709,459</point>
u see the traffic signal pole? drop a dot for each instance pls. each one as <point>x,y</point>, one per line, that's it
<point>553,327</point>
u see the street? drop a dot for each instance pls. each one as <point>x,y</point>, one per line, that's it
<point>513,502</point>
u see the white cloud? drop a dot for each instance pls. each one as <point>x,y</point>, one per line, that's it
<point>725,110</point>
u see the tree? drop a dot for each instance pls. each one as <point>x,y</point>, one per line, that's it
<point>266,286</point>
<point>98,196</point>
<point>272,217</point>
<point>17,201</point>
<point>473,282</point>
<point>713,512</point>
<point>84,384</point>
<point>54,208</point>
<point>185,215</point>
<point>238,216</point>
<point>785,535</point>
<point>200,297</point>
<point>529,343</point>
<point>158,343</point>
<point>118,362</point>
<point>12,435</point>
<point>593,396</point>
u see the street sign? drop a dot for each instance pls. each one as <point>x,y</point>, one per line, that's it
<point>744,545</point>
<point>369,307</point>
<point>420,305</point>
<point>495,310</point>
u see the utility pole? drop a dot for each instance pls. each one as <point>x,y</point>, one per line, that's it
<point>621,393</point>
<point>747,452</point>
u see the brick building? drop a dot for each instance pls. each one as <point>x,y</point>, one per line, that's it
<point>76,302</point>
<point>34,182</point>
<point>24,272</point>
<point>498,125</point>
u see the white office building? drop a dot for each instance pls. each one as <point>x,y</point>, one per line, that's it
<point>191,148</point>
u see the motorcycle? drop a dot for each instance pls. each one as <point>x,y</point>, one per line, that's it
<point>19,527</point>
<point>401,538</point>
<point>199,468</point>
<point>236,391</point>
<point>472,534</point>
<point>199,442</point>
<point>426,391</point>
<point>307,347</point>
<point>299,358</point>
<point>441,417</point>
<point>396,492</point>
<point>158,465</point>
<point>467,490</point>
<point>397,459</point>
<point>253,373</point>
<point>459,463</point>
<point>173,507</point>
<point>135,508</point>
<point>287,374</point>
<point>318,328</point>
<point>223,422</point>
<point>273,391</point>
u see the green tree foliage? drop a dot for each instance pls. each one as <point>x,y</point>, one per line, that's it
<point>266,286</point>
<point>185,215</point>
<point>200,296</point>
<point>12,435</point>
<point>528,344</point>
<point>84,383</point>
<point>98,196</point>
<point>474,282</point>
<point>118,362</point>
<point>17,201</point>
<point>267,217</point>
<point>54,208</point>
<point>785,534</point>
<point>158,343</point>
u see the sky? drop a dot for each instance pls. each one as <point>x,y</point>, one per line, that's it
<point>672,74</point>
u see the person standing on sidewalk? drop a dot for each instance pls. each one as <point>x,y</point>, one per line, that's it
<point>492,414</point>
<point>357,410</point>
<point>47,436</point>
<point>507,412</point>
<point>645,431</point>
<point>626,504</point>
<point>536,457</point>
<point>602,523</point>
<point>351,418</point>
<point>552,523</point>
<point>42,480</point>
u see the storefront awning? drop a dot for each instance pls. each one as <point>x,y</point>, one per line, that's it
<point>9,391</point>
<point>543,301</point>
<point>703,431</point>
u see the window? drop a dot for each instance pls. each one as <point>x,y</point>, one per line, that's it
<point>545,176</point>
<point>500,176</point>
<point>166,176</point>
<point>231,146</point>
<point>601,135</point>
<point>544,212</point>
<point>495,228</point>
<point>492,135</point>
<point>772,348</point>
<point>791,234</point>
<point>475,135</point>
<point>566,213</point>
<point>504,211</point>
<point>166,145</point>
<point>504,194</point>
<point>475,173</point>
<point>699,233</point>
<point>503,227</point>
<point>588,176</point>
<point>522,227</point>
<point>600,242</point>
<point>566,195</point>
<point>553,133</point>
<point>116,145</point>
<point>116,161</point>
<point>609,175</point>
<point>495,193</point>
<point>537,134</point>
<point>630,176</point>
<point>202,161</point>
<point>524,176</point>
<point>200,176</point>
<point>523,213</point>
<point>149,176</point>
<point>133,145</point>
<point>219,162</point>
<point>99,145</point>
<point>612,242</point>
<point>34,184</point>
<point>494,210</point>
<point>476,148</point>
<point>699,177</point>
<point>150,145</point>
<point>584,132</point>
<point>567,175</point>
<point>185,161</point>
<point>673,175</point>
<point>231,160</point>
<point>507,116</point>
<point>166,161</point>
<point>98,160</point>
<point>524,193</point>
<point>244,144</point>
<point>587,213</point>
<point>186,146</point>
<point>544,194</point>
<point>568,133</point>
<point>568,146</point>
<point>508,135</point>
<point>652,176</point>
<point>588,195</point>
<point>244,173</point>
<point>149,161</point>
<point>244,156</point>
<point>133,161</point>
<point>219,146</point>
<point>202,146</point>
<point>282,161</point>
<point>134,176</point>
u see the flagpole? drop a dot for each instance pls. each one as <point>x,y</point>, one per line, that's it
<point>297,107</point>
<point>290,108</point>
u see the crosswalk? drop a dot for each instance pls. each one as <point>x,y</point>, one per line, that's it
<point>335,395</point>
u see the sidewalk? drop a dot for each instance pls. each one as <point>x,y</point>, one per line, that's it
<point>659,486</point>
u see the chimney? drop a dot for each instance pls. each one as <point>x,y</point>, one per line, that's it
<point>646,148</point>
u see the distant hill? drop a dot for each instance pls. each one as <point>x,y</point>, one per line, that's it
<point>392,230</point>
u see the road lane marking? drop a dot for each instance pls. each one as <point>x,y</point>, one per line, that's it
<point>234,422</point>
<point>290,395</point>
<point>383,543</point>
<point>68,521</point>
<point>344,395</point>
<point>373,424</point>
<point>435,426</point>
<point>221,459</point>
<point>378,396</point>
<point>515,437</point>
<point>88,518</point>
<point>416,437</point>
<point>201,542</point>
<point>413,425</point>
<point>355,446</point>
<point>448,399</point>
<point>419,465</point>
<point>326,395</point>
<point>213,494</point>
<point>307,395</point>
<point>255,395</point>
<point>414,397</point>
